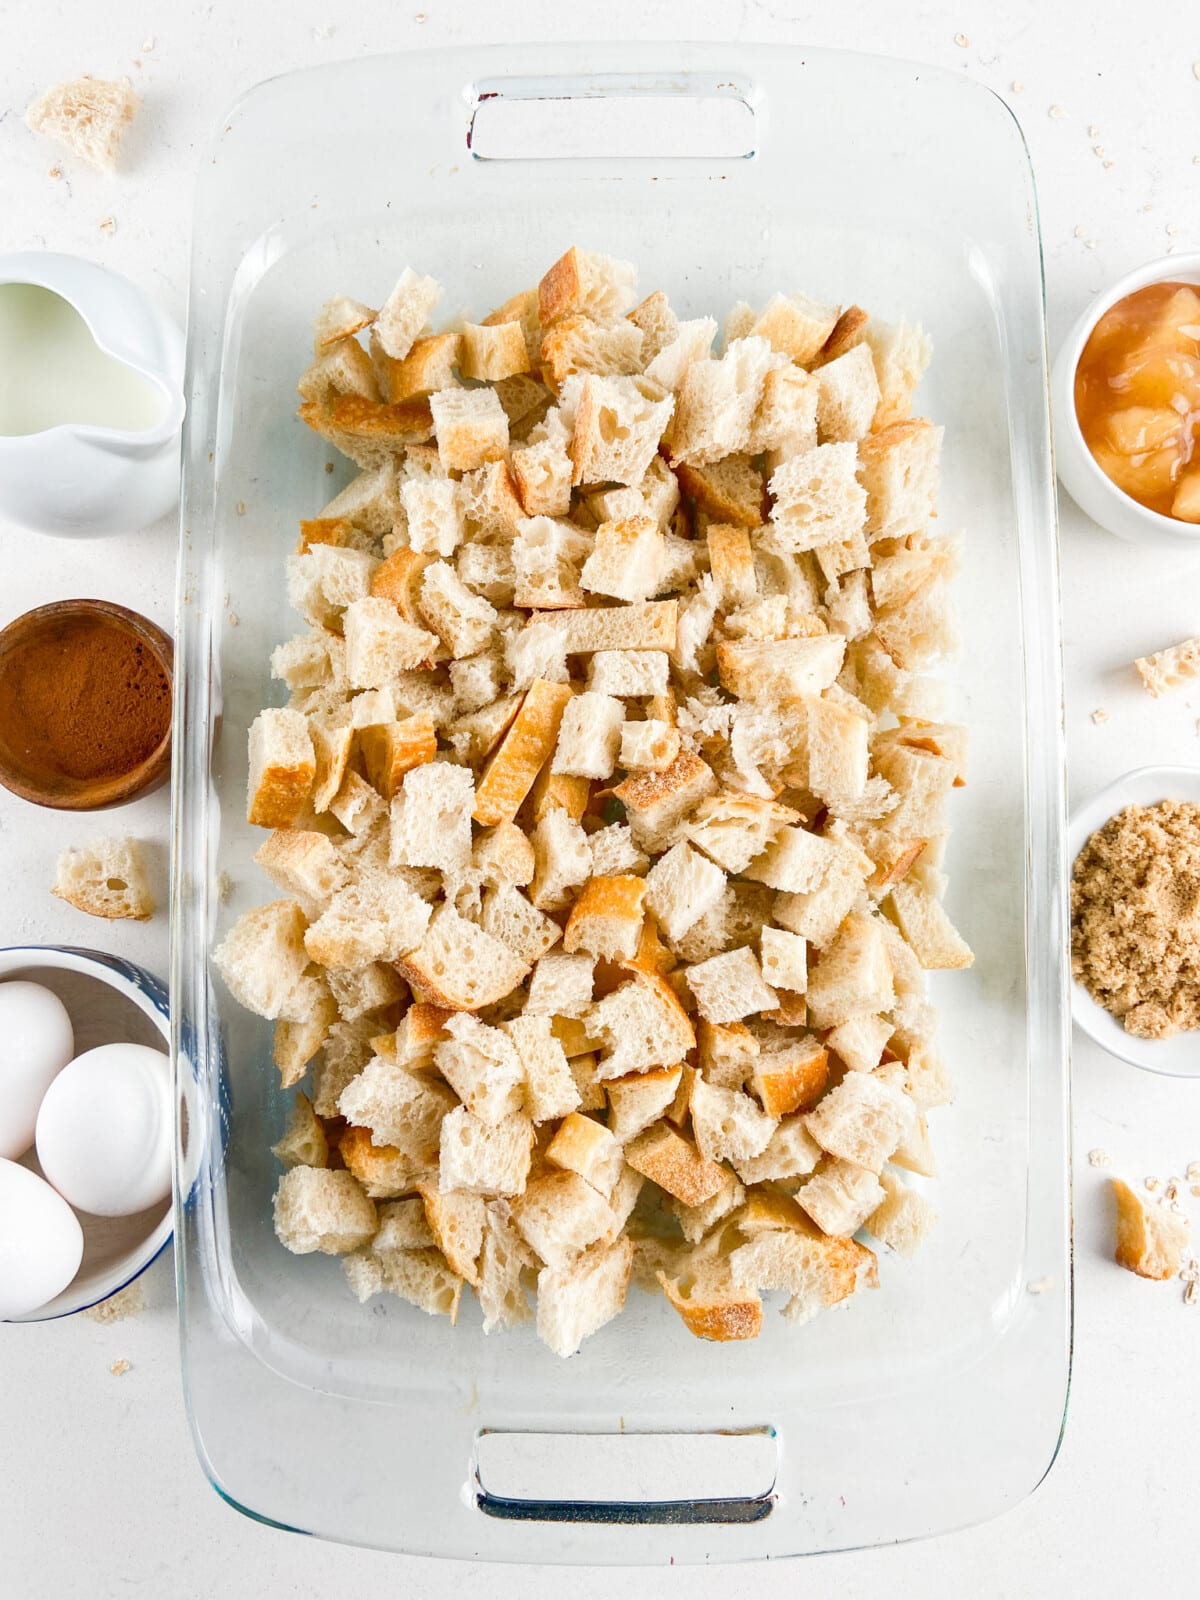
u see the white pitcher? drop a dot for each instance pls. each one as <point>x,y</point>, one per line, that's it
<point>90,410</point>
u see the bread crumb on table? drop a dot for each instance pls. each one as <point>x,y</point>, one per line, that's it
<point>1135,932</point>
<point>1099,715</point>
<point>127,1302</point>
<point>120,1368</point>
<point>1167,669</point>
<point>1100,1158</point>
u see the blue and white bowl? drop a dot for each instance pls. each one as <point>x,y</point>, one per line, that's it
<point>108,1000</point>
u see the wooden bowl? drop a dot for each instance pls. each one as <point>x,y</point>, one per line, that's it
<point>41,781</point>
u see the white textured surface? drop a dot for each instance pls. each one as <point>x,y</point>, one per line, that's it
<point>102,1495</point>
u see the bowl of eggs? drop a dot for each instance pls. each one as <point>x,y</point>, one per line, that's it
<point>1126,398</point>
<point>85,1128</point>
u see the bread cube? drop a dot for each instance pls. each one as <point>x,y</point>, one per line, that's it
<point>589,737</point>
<point>817,499</point>
<point>606,919</point>
<point>434,510</point>
<point>642,1024</point>
<point>862,1120</point>
<point>618,424</point>
<point>899,470</point>
<point>559,1215</point>
<point>847,396</point>
<point>471,427</point>
<point>626,559</point>
<point>483,1158</point>
<point>431,819</point>
<point>675,1165</point>
<point>728,1124</point>
<point>588,1148</point>
<point>796,325</point>
<point>840,1196</point>
<point>262,958</point>
<point>561,985</point>
<point>459,965</point>
<point>575,1301</point>
<point>380,644</point>
<point>562,861</point>
<point>316,1209</point>
<point>904,1220</point>
<point>680,887</point>
<point>482,1066</point>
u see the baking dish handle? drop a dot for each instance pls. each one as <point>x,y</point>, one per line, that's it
<point>690,116</point>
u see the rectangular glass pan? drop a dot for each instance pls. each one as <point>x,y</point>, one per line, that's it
<point>930,1404</point>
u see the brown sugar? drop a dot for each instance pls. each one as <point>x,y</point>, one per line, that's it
<point>1135,918</point>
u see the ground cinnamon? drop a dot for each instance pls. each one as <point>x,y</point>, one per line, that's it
<point>86,700</point>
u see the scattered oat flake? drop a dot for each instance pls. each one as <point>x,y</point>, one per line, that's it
<point>108,225</point>
<point>1191,1295</point>
<point>1099,715</point>
<point>1190,1270</point>
<point>1039,1285</point>
<point>148,45</point>
<point>1056,112</point>
<point>1098,150</point>
<point>127,1302</point>
<point>120,1368</point>
<point>54,172</point>
<point>1100,1158</point>
<point>1093,131</point>
<point>1080,231</point>
<point>961,40</point>
<point>234,619</point>
<point>1153,1184</point>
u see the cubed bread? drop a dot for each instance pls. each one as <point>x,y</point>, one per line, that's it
<point>644,625</point>
<point>1151,1237</point>
<point>294,1044</point>
<point>525,748</point>
<point>730,491</point>
<point>786,419</point>
<point>780,670</point>
<point>585,281</point>
<point>631,673</point>
<point>562,861</point>
<point>405,312</point>
<point>899,472</point>
<point>859,1041</point>
<point>107,879</point>
<point>386,1171</point>
<point>464,622</point>
<point>840,1196</point>
<point>606,919</point>
<point>577,344</point>
<point>559,1215</point>
<point>392,749</point>
<point>431,819</point>
<point>618,424</point>
<point>89,116</point>
<point>641,1024</point>
<point>358,990</point>
<point>502,1295</point>
<point>589,736</point>
<point>817,1271</point>
<point>791,1076</point>
<point>680,887</point>
<point>429,365</point>
<point>485,1159</point>
<point>587,1147</point>
<point>796,325</point>
<point>282,768</point>
<point>675,1165</point>
<point>456,1221</point>
<point>470,426</point>
<point>262,958</point>
<point>493,351</point>
<point>614,853</point>
<point>784,960</point>
<point>904,1220</point>
<point>717,403</point>
<point>459,965</point>
<point>626,559</point>
<point>692,341</point>
<point>817,499</point>
<point>575,1301</point>
<point>483,1068</point>
<point>658,803</point>
<point>380,644</point>
<point>542,472</point>
<point>316,1209</point>
<point>791,1152</point>
<point>436,525</point>
<point>927,928</point>
<point>376,917</point>
<point>302,863</point>
<point>508,916</point>
<point>649,746</point>
<point>424,1278</point>
<point>397,1107</point>
<point>728,1124</point>
<point>357,805</point>
<point>561,985</point>
<point>862,1120</point>
<point>549,1088</point>
<point>304,1142</point>
<point>639,1099</point>
<point>730,986</point>
<point>658,322</point>
<point>847,395</point>
<point>734,829</point>
<point>853,975</point>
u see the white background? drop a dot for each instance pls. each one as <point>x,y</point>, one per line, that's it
<point>100,1494</point>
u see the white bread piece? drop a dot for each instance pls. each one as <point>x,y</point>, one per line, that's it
<point>815,1270</point>
<point>784,960</point>
<point>88,116</point>
<point>423,1278</point>
<point>476,736</point>
<point>696,1221</point>
<point>731,561</point>
<point>371,708</point>
<point>547,555</point>
<point>863,1120</point>
<point>429,365</point>
<point>562,861</point>
<point>711,1308</point>
<point>526,747</point>
<point>840,1196</point>
<point>483,1068</point>
<point>899,471</point>
<point>459,965</point>
<point>371,500</point>
<point>817,499</point>
<point>542,472</point>
<point>727,1053</point>
<point>306,1000</point>
<point>403,1225</point>
<point>549,1088</point>
<point>796,861</point>
<point>405,312</point>
<point>904,1220</point>
<point>578,344</point>
<point>634,1102</point>
<point>626,559</point>
<point>463,621</point>
<point>490,501</point>
<point>347,1050</point>
<point>606,919</point>
<point>456,1222</point>
<point>658,323</point>
<point>847,395</point>
<point>583,1071</point>
<point>262,958</point>
<point>492,351</point>
<point>786,419</point>
<point>658,804</point>
<point>304,1143</point>
<point>628,672</point>
<point>1167,669</point>
<point>780,670</point>
<point>853,976</point>
<point>302,863</point>
<point>600,286</point>
<point>675,1165</point>
<point>310,660</point>
<point>648,625</point>
<point>915,1152</point>
<point>796,325</point>
<point>614,853</point>
<point>574,1302</point>
<point>357,806</point>
<point>718,401</point>
<point>344,574</point>
<point>522,308</point>
<point>561,985</point>
<point>681,887</point>
<point>641,1024</point>
<point>502,1296</point>
<point>838,751</point>
<point>339,319</point>
<point>791,1152</point>
<point>848,605</point>
<point>728,1124</point>
<point>921,629</point>
<point>397,1107</point>
<point>656,496</point>
<point>477,680</point>
<point>434,508</point>
<point>730,986</point>
<point>559,1215</point>
<point>342,368</point>
<point>484,1159</point>
<point>589,736</point>
<point>294,1044</point>
<point>927,928</point>
<point>738,918</point>
<point>734,829</point>
<point>471,428</point>
<point>1151,1235</point>
<point>316,1209</point>
<point>618,424</point>
<point>649,746</point>
<point>368,431</point>
<point>692,342</point>
<point>923,781</point>
<point>282,768</point>
<point>859,1041</point>
<point>359,990</point>
<point>508,916</point>
<point>739,321</point>
<point>729,491</point>
<point>107,879</point>
<point>431,819</point>
<point>421,1028</point>
<point>535,651</point>
<point>622,1201</point>
<point>587,1147</point>
<point>380,644</point>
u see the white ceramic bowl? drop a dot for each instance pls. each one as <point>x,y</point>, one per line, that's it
<point>1091,489</point>
<point>108,999</point>
<point>1179,1056</point>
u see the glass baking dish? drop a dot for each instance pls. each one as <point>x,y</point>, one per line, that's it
<point>726,172</point>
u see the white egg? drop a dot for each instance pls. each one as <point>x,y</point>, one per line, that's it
<point>36,1042</point>
<point>104,1130</point>
<point>41,1242</point>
